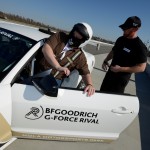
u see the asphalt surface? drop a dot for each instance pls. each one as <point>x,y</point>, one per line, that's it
<point>129,139</point>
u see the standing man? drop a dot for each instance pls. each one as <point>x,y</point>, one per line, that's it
<point>128,56</point>
<point>61,48</point>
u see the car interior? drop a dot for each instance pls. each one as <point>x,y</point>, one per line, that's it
<point>29,75</point>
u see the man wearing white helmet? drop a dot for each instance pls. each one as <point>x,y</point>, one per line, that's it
<point>61,46</point>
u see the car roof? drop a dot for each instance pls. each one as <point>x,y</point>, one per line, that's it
<point>28,31</point>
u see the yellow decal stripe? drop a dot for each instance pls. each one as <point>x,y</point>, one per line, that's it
<point>58,138</point>
<point>5,130</point>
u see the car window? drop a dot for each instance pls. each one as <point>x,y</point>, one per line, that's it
<point>12,48</point>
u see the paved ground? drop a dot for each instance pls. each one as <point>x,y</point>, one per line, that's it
<point>128,140</point>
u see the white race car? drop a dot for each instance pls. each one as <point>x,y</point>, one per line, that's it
<point>68,114</point>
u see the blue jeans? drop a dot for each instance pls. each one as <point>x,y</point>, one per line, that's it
<point>59,82</point>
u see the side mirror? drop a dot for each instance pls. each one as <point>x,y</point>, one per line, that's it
<point>46,85</point>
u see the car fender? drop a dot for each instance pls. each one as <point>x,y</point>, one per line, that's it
<point>5,113</point>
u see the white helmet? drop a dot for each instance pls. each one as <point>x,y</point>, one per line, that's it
<point>85,30</point>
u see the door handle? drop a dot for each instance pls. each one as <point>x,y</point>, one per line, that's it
<point>122,110</point>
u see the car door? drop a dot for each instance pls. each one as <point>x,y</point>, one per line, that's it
<point>71,115</point>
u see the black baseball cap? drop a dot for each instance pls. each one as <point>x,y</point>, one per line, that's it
<point>131,22</point>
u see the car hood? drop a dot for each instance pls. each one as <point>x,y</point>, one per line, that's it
<point>24,30</point>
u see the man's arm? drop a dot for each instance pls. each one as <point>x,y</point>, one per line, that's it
<point>135,69</point>
<point>89,84</point>
<point>105,64</point>
<point>50,57</point>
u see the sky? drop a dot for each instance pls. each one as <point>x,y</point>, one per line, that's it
<point>104,16</point>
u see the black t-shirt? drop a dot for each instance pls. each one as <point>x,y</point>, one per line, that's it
<point>129,52</point>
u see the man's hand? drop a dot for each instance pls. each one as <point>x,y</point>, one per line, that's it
<point>105,65</point>
<point>89,89</point>
<point>116,68</point>
<point>64,69</point>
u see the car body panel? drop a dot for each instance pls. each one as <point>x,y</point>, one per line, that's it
<point>6,102</point>
<point>5,113</point>
<point>71,113</point>
<point>5,130</point>
<point>28,31</point>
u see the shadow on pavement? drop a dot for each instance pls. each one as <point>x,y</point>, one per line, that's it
<point>143,93</point>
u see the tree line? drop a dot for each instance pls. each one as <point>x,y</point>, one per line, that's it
<point>20,19</point>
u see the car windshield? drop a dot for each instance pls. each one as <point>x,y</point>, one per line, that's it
<point>13,47</point>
